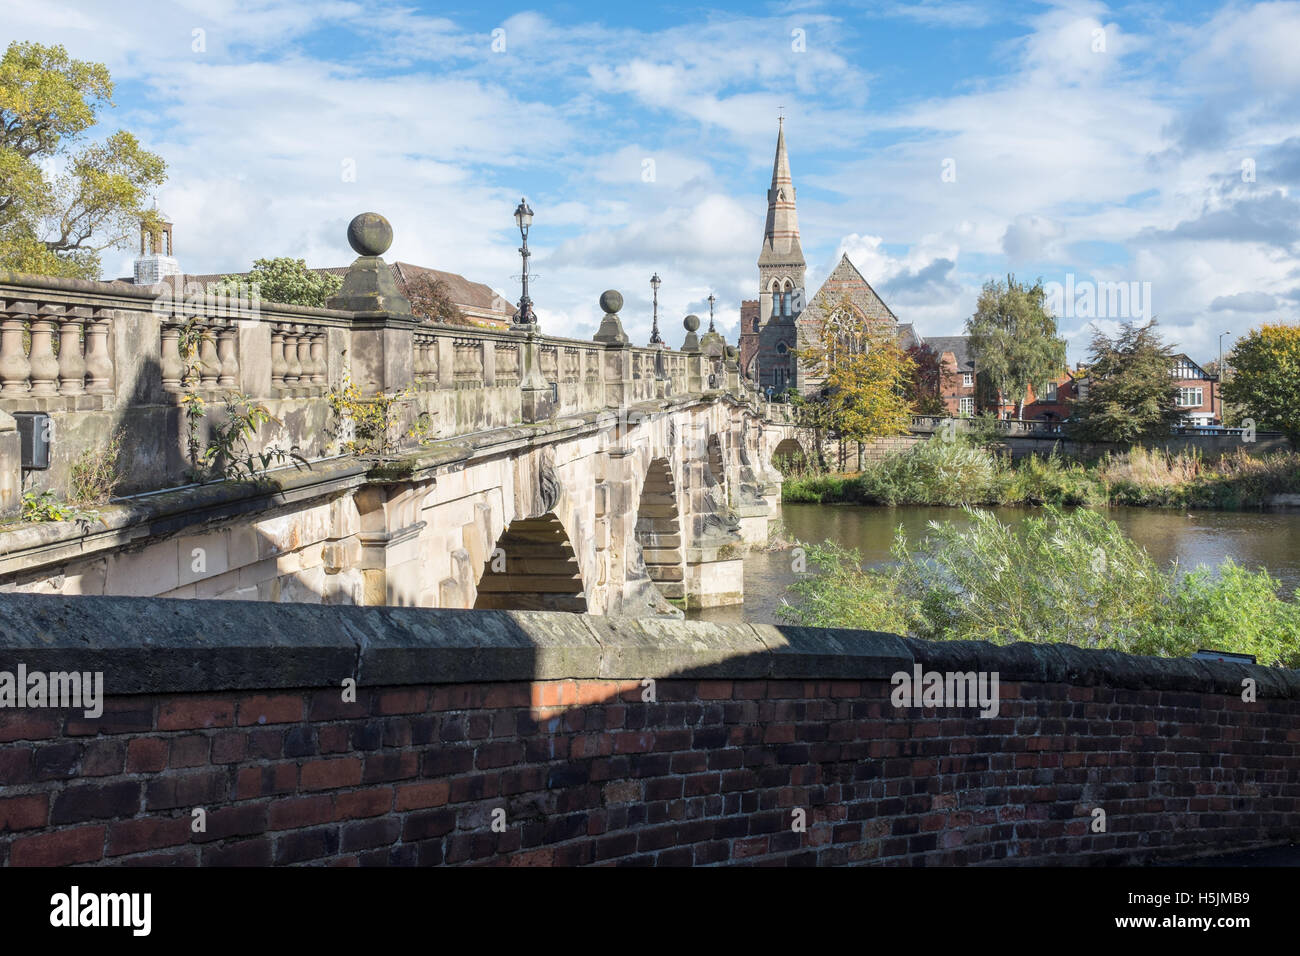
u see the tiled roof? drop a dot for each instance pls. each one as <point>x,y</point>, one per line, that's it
<point>958,345</point>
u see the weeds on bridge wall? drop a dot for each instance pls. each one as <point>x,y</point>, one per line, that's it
<point>371,424</point>
<point>226,455</point>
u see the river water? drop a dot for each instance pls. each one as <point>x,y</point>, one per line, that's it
<point>1255,539</point>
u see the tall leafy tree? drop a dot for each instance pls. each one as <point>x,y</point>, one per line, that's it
<point>1014,339</point>
<point>62,201</point>
<point>285,280</point>
<point>1131,389</point>
<point>1265,379</point>
<point>868,375</point>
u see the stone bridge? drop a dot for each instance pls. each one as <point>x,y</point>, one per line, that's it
<point>512,470</point>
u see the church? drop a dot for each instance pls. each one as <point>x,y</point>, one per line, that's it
<point>782,319</point>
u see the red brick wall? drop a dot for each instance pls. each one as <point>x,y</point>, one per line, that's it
<point>589,773</point>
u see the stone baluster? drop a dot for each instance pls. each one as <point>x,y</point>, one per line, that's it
<point>418,360</point>
<point>228,368</point>
<point>445,349</point>
<point>14,366</point>
<point>304,355</point>
<point>292,367</point>
<point>99,363</point>
<point>45,367</point>
<point>209,365</point>
<point>172,369</point>
<point>72,365</point>
<point>318,367</point>
<point>279,367</point>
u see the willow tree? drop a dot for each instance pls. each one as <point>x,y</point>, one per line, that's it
<point>62,201</point>
<point>868,376</point>
<point>1014,340</point>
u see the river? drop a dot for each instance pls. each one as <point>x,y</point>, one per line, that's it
<point>1254,539</point>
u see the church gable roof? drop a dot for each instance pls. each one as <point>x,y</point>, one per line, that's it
<point>846,279</point>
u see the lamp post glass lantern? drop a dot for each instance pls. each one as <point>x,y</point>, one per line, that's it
<point>524,219</point>
<point>655,282</point>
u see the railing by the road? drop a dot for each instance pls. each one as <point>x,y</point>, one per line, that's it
<point>1033,428</point>
<point>71,348</point>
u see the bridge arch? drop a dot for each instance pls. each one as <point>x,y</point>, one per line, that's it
<point>532,568</point>
<point>789,456</point>
<point>658,530</point>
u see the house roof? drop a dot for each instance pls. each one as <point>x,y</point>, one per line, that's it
<point>908,337</point>
<point>958,345</point>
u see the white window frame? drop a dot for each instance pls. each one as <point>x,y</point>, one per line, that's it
<point>966,406</point>
<point>967,379</point>
<point>1188,391</point>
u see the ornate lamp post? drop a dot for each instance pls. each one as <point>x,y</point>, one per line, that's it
<point>655,282</point>
<point>524,219</point>
<point>712,299</point>
<point>1216,387</point>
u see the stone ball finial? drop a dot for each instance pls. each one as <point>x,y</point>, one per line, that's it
<point>370,234</point>
<point>691,323</point>
<point>611,301</point>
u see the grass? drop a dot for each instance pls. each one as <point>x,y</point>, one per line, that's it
<point>1066,576</point>
<point>963,472</point>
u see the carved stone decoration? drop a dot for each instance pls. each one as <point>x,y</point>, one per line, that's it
<point>726,523</point>
<point>548,484</point>
<point>672,436</point>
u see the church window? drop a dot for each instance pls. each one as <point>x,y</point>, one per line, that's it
<point>844,338</point>
<point>756,325</point>
<point>781,348</point>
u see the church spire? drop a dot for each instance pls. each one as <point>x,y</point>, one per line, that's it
<point>781,235</point>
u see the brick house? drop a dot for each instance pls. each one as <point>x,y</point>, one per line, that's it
<point>1198,392</point>
<point>1058,399</point>
<point>958,389</point>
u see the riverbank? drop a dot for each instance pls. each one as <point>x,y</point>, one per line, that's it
<point>1066,575</point>
<point>1194,538</point>
<point>962,472</point>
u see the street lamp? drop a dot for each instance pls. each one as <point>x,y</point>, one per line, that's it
<point>524,219</point>
<point>1217,386</point>
<point>712,299</point>
<point>655,282</point>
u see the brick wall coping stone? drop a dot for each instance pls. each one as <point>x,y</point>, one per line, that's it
<point>161,645</point>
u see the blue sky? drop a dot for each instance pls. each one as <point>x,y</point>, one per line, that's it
<point>1105,143</point>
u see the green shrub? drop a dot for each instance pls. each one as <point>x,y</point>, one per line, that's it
<point>1234,609</point>
<point>937,471</point>
<point>1070,577</point>
<point>817,488</point>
